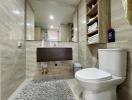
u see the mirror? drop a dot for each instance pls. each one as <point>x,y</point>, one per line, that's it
<point>52,20</point>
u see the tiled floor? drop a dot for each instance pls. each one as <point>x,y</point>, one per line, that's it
<point>76,88</point>
<point>51,90</point>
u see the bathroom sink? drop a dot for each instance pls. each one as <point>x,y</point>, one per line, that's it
<point>54,54</point>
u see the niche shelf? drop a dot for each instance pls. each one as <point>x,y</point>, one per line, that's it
<point>93,11</point>
<point>98,18</point>
<point>92,33</point>
<point>90,2</point>
<point>93,21</point>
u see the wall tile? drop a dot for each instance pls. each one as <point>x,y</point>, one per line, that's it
<point>12,58</point>
<point>123,40</point>
<point>32,66</point>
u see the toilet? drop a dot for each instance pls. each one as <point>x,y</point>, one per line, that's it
<point>100,83</point>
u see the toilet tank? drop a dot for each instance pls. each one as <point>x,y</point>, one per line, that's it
<point>113,61</point>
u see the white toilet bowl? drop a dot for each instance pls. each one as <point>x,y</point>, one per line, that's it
<point>97,84</point>
<point>100,84</point>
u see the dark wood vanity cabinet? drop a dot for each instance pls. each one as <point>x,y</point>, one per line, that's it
<point>53,54</point>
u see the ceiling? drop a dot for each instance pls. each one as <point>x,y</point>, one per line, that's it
<point>62,10</point>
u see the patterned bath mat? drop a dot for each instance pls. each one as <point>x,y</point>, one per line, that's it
<point>42,90</point>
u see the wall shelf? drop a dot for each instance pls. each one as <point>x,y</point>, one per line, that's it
<point>92,33</point>
<point>93,11</point>
<point>90,2</point>
<point>98,11</point>
<point>93,21</point>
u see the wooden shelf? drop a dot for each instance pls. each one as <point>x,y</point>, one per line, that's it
<point>90,2</point>
<point>93,21</point>
<point>93,43</point>
<point>93,11</point>
<point>99,11</point>
<point>92,33</point>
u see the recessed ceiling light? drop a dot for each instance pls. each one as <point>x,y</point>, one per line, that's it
<point>28,24</point>
<point>51,17</point>
<point>51,26</point>
<point>16,12</point>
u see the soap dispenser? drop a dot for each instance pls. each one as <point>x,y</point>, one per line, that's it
<point>111,35</point>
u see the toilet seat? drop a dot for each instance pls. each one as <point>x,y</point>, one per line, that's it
<point>93,74</point>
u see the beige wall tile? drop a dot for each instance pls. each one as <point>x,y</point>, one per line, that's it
<point>123,40</point>
<point>32,66</point>
<point>12,58</point>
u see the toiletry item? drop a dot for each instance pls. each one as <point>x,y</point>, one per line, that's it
<point>93,27</point>
<point>111,35</point>
<point>93,39</point>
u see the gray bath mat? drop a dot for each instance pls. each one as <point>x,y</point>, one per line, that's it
<point>50,90</point>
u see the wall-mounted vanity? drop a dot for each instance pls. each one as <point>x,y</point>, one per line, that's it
<point>54,54</point>
<point>46,55</point>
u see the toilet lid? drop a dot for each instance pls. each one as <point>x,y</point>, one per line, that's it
<point>93,74</point>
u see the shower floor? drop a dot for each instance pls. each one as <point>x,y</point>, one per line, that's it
<point>47,90</point>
